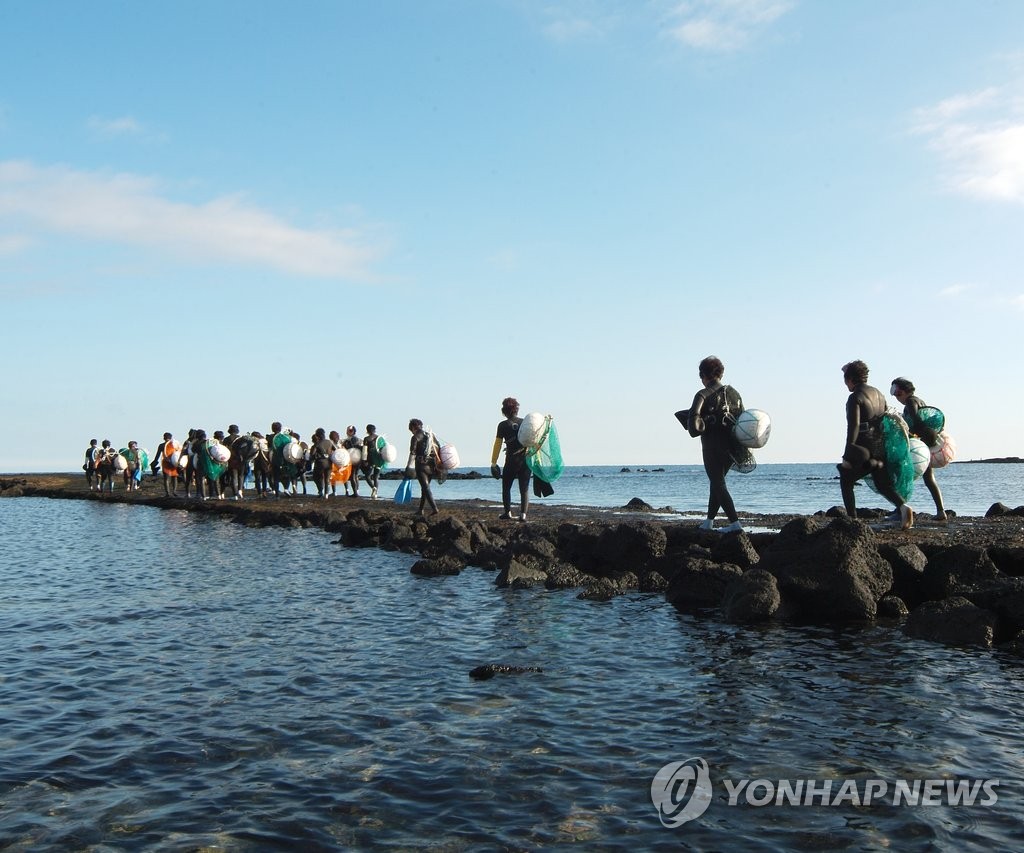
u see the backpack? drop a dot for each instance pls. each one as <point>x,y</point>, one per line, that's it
<point>722,407</point>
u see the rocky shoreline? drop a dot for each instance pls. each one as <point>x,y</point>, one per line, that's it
<point>962,584</point>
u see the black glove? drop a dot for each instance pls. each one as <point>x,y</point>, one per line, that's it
<point>154,466</point>
<point>410,473</point>
<point>496,472</point>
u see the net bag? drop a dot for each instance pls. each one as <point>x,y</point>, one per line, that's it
<point>895,447</point>
<point>920,456</point>
<point>545,459</point>
<point>944,451</point>
<point>931,418</point>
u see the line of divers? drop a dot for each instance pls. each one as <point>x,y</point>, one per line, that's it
<point>198,462</point>
<point>280,461</point>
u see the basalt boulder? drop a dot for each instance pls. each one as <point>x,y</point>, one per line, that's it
<point>958,570</point>
<point>599,550</point>
<point>439,566</point>
<point>518,575</point>
<point>953,621</point>
<point>830,574</point>
<point>737,549</point>
<point>700,584</point>
<point>752,597</point>
<point>908,563</point>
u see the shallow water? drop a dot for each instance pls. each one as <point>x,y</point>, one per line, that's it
<point>174,681</point>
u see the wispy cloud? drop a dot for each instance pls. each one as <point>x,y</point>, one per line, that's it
<point>955,290</point>
<point>133,210</point>
<point>723,25</point>
<point>12,244</point>
<point>578,20</point>
<point>564,29</point>
<point>111,127</point>
<point>980,137</point>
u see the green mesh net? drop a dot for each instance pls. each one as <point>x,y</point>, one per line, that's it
<point>931,418</point>
<point>205,465</point>
<point>545,460</point>
<point>899,465</point>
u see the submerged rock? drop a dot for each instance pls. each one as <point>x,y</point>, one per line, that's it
<point>492,669</point>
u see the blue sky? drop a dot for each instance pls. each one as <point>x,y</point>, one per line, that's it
<point>335,212</point>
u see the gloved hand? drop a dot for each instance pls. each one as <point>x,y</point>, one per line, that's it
<point>410,473</point>
<point>496,472</point>
<point>154,466</point>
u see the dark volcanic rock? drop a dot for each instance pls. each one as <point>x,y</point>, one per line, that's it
<point>444,565</point>
<point>599,550</point>
<point>638,505</point>
<point>520,576</point>
<point>700,584</point>
<point>892,607</point>
<point>1010,561</point>
<point>752,597</point>
<point>954,622</point>
<point>738,550</point>
<point>908,563</point>
<point>958,570</point>
<point>834,574</point>
<point>492,669</point>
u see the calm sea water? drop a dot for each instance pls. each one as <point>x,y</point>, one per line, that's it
<point>176,682</point>
<point>968,489</point>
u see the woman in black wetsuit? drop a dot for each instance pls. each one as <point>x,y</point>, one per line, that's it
<point>711,416</point>
<point>424,460</point>
<point>864,452</point>
<point>903,390</point>
<point>515,460</point>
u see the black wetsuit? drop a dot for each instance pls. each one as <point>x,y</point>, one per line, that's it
<point>930,437</point>
<point>515,468</point>
<point>320,453</point>
<point>715,443</point>
<point>423,449</point>
<point>914,424</point>
<point>90,465</point>
<point>372,461</point>
<point>354,443</point>
<point>865,449</point>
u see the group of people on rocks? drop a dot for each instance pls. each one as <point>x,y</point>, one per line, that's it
<point>214,466</point>
<point>712,416</point>
<point>103,463</point>
<point>218,465</point>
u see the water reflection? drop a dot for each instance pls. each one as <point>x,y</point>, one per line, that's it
<point>175,682</point>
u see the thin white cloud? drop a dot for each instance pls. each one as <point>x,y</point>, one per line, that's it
<point>110,127</point>
<point>955,290</point>
<point>578,20</point>
<point>980,137</point>
<point>571,29</point>
<point>131,209</point>
<point>724,25</point>
<point>12,244</point>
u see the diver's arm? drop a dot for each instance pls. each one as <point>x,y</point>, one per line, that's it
<point>696,426</point>
<point>852,419</point>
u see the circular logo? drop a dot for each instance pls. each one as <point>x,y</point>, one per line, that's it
<point>681,791</point>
